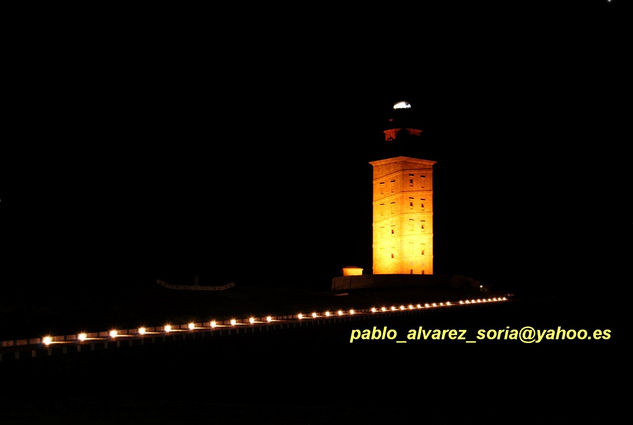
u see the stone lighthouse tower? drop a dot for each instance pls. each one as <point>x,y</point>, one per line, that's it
<point>402,202</point>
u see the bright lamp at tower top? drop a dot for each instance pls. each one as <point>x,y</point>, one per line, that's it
<point>402,105</point>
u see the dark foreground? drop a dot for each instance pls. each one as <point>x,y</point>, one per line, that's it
<point>315,376</point>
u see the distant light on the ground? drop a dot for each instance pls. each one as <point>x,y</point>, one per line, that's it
<point>213,324</point>
<point>352,311</point>
<point>167,328</point>
<point>300,316</point>
<point>47,340</point>
<point>314,315</point>
<point>327,314</point>
<point>114,333</point>
<point>142,330</point>
<point>373,309</point>
<point>191,326</point>
<point>340,312</point>
<point>82,336</point>
<point>233,322</point>
<point>269,318</point>
<point>251,320</point>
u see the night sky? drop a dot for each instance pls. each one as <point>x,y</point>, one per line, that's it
<point>238,148</point>
<point>233,143</point>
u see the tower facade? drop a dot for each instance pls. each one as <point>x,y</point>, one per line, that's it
<point>402,216</point>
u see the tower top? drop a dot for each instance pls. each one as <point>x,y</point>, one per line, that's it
<point>398,159</point>
<point>402,122</point>
<point>402,131</point>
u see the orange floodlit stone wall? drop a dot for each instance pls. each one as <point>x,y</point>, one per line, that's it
<point>403,216</point>
<point>352,271</point>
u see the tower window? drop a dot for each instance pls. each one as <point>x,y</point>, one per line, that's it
<point>392,232</point>
<point>422,224</point>
<point>411,182</point>
<point>392,256</point>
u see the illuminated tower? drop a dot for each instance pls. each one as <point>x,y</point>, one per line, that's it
<point>402,208</point>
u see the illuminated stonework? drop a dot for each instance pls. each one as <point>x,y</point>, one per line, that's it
<point>352,271</point>
<point>403,216</point>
